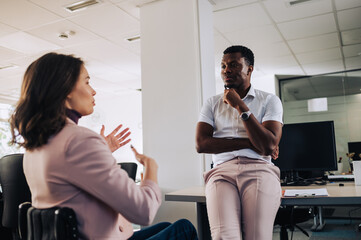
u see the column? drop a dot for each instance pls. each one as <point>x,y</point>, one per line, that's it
<point>177,58</point>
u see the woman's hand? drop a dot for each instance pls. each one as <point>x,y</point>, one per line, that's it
<point>114,140</point>
<point>150,165</point>
<point>143,159</point>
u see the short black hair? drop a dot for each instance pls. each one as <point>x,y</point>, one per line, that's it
<point>245,51</point>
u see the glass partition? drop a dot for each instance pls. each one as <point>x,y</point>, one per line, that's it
<point>327,97</point>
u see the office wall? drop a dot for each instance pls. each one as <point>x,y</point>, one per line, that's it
<point>113,109</point>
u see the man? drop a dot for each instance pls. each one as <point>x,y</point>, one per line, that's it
<point>241,128</point>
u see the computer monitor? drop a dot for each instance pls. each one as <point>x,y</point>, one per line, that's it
<point>355,147</point>
<point>307,147</point>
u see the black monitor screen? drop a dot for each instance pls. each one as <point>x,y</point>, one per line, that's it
<point>355,147</point>
<point>307,147</point>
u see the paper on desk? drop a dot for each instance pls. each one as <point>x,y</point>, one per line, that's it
<point>305,192</point>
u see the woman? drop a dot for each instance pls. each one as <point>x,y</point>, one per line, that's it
<point>68,165</point>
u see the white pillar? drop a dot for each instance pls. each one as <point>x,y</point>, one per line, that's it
<point>177,57</point>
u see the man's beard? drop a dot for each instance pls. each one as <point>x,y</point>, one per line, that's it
<point>229,86</point>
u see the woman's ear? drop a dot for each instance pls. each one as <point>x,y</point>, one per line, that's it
<point>67,101</point>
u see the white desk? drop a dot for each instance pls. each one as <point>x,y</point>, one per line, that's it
<point>347,195</point>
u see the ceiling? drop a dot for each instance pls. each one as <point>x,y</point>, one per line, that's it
<point>312,37</point>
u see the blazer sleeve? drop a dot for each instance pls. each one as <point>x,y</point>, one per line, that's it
<point>93,169</point>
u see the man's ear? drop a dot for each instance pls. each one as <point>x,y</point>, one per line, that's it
<point>250,69</point>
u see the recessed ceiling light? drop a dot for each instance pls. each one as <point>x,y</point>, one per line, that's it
<point>7,67</point>
<point>135,38</point>
<point>66,35</point>
<point>81,5</point>
<point>295,2</point>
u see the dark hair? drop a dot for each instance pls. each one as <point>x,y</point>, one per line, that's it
<point>246,53</point>
<point>40,111</point>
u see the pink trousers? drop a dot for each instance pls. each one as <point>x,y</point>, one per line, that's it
<point>243,197</point>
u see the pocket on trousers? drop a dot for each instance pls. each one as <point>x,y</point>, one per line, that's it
<point>206,175</point>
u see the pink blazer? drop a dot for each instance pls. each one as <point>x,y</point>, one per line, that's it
<point>76,169</point>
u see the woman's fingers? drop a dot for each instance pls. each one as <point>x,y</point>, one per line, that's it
<point>102,131</point>
<point>134,150</point>
<point>125,142</point>
<point>122,138</point>
<point>121,133</point>
<point>138,156</point>
<point>116,129</point>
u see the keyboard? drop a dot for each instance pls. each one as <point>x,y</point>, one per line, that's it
<point>340,178</point>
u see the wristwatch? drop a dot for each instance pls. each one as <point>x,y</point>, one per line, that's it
<point>245,115</point>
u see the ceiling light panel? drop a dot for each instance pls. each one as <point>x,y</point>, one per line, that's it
<point>134,38</point>
<point>109,20</point>
<point>7,67</point>
<point>81,5</point>
<point>282,11</point>
<point>58,7</point>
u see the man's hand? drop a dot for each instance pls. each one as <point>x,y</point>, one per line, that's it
<point>114,140</point>
<point>231,97</point>
<point>275,153</point>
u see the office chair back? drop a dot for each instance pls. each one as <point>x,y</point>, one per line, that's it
<point>130,168</point>
<point>15,189</point>
<point>288,217</point>
<point>56,223</point>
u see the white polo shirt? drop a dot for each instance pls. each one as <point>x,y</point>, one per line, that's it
<point>227,123</point>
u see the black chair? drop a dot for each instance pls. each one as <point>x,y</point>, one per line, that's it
<point>57,223</point>
<point>5,233</point>
<point>15,190</point>
<point>130,168</point>
<point>288,217</point>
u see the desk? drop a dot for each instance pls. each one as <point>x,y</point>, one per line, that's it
<point>348,195</point>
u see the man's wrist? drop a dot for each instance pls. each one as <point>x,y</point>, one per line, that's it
<point>245,115</point>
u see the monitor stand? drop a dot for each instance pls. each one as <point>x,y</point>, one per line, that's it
<point>292,178</point>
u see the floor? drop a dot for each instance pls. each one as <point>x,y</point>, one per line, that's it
<point>335,229</point>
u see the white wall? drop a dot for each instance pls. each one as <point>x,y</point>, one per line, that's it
<point>114,109</point>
